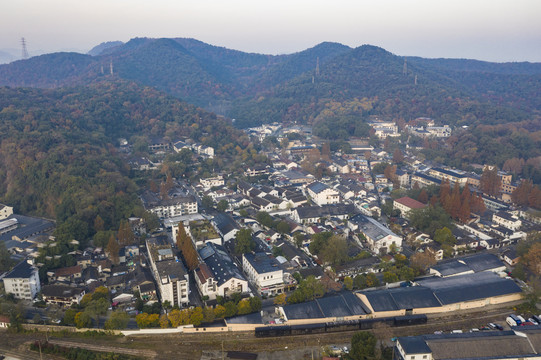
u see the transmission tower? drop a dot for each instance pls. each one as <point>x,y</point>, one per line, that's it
<point>317,66</point>
<point>24,50</point>
<point>405,71</point>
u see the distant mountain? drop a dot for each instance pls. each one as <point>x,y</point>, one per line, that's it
<point>257,88</point>
<point>6,57</point>
<point>103,47</point>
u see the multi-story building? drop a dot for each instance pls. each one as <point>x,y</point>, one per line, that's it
<point>321,194</point>
<point>62,294</point>
<point>22,281</point>
<point>264,273</point>
<point>5,211</point>
<point>406,204</point>
<point>452,176</point>
<point>217,275</point>
<point>171,206</point>
<point>169,272</point>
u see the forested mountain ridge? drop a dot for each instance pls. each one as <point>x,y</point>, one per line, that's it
<point>257,88</point>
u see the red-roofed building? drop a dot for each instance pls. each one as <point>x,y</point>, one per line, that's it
<point>406,204</point>
<point>4,322</point>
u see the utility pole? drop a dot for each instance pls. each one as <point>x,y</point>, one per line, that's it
<point>405,69</point>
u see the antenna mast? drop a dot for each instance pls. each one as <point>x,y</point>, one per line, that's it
<point>317,66</point>
<point>24,50</point>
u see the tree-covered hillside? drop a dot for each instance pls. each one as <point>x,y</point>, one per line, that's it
<point>57,157</point>
<point>258,88</point>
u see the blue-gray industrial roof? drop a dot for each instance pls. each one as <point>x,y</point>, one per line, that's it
<point>436,291</point>
<point>414,345</point>
<point>340,305</point>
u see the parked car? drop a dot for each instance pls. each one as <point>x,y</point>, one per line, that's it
<point>499,327</point>
<point>533,321</point>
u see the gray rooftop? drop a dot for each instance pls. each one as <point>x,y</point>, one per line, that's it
<point>262,263</point>
<point>219,263</point>
<point>370,227</point>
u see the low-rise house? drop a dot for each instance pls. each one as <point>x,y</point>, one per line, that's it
<point>380,239</point>
<point>4,322</point>
<point>227,226</point>
<point>313,214</point>
<point>22,281</point>
<point>66,274</point>
<point>510,256</point>
<point>406,204</point>
<point>212,182</point>
<point>62,294</point>
<point>507,220</point>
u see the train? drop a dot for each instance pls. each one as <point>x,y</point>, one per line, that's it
<point>337,326</point>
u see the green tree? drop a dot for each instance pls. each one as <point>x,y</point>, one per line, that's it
<point>196,318</point>
<point>444,236</point>
<point>255,303</point>
<point>83,320</point>
<point>207,202</point>
<point>243,241</point>
<point>222,206</point>
<point>118,320</point>
<point>363,346</point>
<point>6,262</point>
<point>282,227</point>
<point>348,282</point>
<point>390,277</point>
<point>335,251</point>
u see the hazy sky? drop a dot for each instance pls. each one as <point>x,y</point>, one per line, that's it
<point>494,30</point>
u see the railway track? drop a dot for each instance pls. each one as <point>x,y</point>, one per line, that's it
<point>102,348</point>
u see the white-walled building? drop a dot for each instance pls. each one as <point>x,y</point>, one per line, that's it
<point>173,206</point>
<point>22,281</point>
<point>379,238</point>
<point>507,220</point>
<point>321,194</point>
<point>263,272</point>
<point>5,211</point>
<point>218,275</point>
<point>169,272</point>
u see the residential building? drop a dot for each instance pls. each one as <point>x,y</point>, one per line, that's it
<point>22,281</point>
<point>264,272</point>
<point>452,176</point>
<point>218,275</point>
<point>212,182</point>
<point>313,214</point>
<point>5,211</point>
<point>424,180</point>
<point>171,206</point>
<point>379,238</point>
<point>321,194</point>
<point>406,204</point>
<point>507,220</point>
<point>62,294</point>
<point>169,272</point>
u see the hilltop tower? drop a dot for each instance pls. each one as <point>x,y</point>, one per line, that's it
<point>405,70</point>
<point>111,67</point>
<point>24,50</point>
<point>317,66</point>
